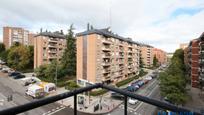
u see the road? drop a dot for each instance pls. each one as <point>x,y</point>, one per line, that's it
<point>150,90</point>
<point>9,86</point>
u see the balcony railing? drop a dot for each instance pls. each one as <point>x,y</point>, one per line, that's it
<point>44,101</point>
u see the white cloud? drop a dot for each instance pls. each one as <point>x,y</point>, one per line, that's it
<point>144,20</point>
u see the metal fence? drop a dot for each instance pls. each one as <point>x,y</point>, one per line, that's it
<point>48,100</point>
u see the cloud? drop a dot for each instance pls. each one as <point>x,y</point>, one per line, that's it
<point>143,20</point>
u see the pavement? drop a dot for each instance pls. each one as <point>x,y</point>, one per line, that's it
<point>196,102</point>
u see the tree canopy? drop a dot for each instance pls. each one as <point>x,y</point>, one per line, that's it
<point>173,81</point>
<point>69,57</point>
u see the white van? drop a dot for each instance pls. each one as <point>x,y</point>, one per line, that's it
<point>48,87</point>
<point>35,91</point>
<point>132,101</point>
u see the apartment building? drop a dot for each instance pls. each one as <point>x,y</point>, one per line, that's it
<point>13,35</point>
<point>146,53</point>
<point>196,61</point>
<point>103,56</point>
<point>183,45</point>
<point>48,46</point>
<point>160,55</point>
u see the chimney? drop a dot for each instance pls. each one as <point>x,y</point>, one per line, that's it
<point>61,31</point>
<point>88,27</point>
<point>91,27</point>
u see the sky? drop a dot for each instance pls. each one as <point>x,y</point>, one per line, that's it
<point>163,24</point>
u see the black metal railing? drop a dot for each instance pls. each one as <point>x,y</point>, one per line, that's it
<point>48,100</point>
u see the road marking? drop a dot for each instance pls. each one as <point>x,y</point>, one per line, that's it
<point>147,96</point>
<point>56,111</point>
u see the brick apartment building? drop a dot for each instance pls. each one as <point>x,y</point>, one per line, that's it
<point>146,53</point>
<point>48,46</point>
<point>103,56</point>
<point>13,35</point>
<point>196,61</point>
<point>160,55</point>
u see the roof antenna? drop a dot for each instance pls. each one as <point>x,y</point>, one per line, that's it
<point>110,23</point>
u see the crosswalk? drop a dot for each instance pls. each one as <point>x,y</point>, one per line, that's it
<point>131,110</point>
<point>54,110</point>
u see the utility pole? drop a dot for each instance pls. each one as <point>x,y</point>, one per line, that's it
<point>56,71</point>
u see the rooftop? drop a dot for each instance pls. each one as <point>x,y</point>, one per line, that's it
<point>52,34</point>
<point>108,33</point>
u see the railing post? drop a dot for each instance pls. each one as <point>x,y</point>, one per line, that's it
<point>75,104</point>
<point>125,105</point>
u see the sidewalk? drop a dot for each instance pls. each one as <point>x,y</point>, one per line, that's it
<point>105,102</point>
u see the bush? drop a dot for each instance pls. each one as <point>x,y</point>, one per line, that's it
<point>71,85</point>
<point>98,92</point>
<point>126,81</point>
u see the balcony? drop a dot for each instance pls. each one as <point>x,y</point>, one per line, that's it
<point>52,51</point>
<point>52,45</point>
<point>52,40</point>
<point>106,64</point>
<point>106,55</point>
<point>52,56</point>
<point>106,41</point>
<point>106,48</point>
<point>106,71</point>
<point>41,102</point>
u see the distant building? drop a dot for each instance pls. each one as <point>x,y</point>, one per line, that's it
<point>103,56</point>
<point>160,55</point>
<point>196,61</point>
<point>183,45</point>
<point>48,46</point>
<point>13,35</point>
<point>146,53</point>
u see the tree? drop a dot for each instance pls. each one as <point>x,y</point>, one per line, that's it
<point>2,47</point>
<point>18,57</point>
<point>155,61</point>
<point>141,62</point>
<point>173,81</point>
<point>69,57</point>
<point>31,56</point>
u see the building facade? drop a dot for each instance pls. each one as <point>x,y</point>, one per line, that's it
<point>160,55</point>
<point>183,46</point>
<point>105,57</point>
<point>196,61</point>
<point>48,47</point>
<point>146,53</point>
<point>13,35</point>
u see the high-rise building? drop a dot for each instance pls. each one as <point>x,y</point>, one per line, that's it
<point>183,45</point>
<point>196,61</point>
<point>160,55</point>
<point>47,47</point>
<point>13,35</point>
<point>146,53</point>
<point>103,56</point>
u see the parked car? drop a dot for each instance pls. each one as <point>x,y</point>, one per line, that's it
<point>145,81</point>
<point>148,78</point>
<point>5,69</point>
<point>132,88</point>
<point>19,76</point>
<point>14,73</point>
<point>132,101</point>
<point>117,95</point>
<point>29,80</point>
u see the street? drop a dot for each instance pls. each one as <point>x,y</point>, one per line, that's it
<point>9,86</point>
<point>150,90</point>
